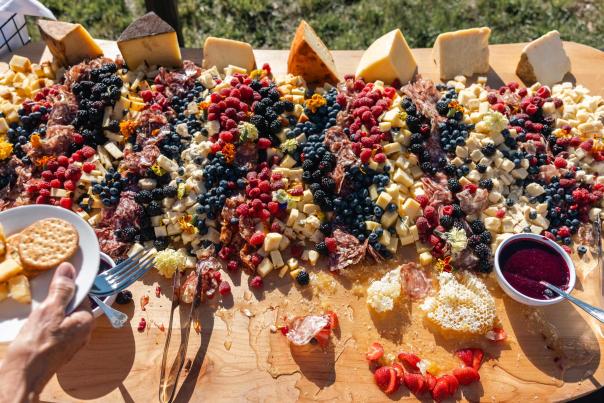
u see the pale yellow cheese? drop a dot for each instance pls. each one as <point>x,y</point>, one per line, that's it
<point>543,60</point>
<point>69,43</point>
<point>149,40</point>
<point>222,52</point>
<point>389,58</point>
<point>464,52</point>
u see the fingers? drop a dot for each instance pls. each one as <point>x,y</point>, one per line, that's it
<point>62,286</point>
<point>79,324</point>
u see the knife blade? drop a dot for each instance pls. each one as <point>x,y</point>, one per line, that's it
<point>168,383</point>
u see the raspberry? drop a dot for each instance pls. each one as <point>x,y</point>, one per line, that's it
<point>273,207</point>
<point>47,175</point>
<point>422,200</point>
<point>264,143</point>
<point>224,288</point>
<point>65,202</point>
<point>447,210</point>
<point>560,162</point>
<point>564,231</point>
<point>55,183</point>
<point>41,199</point>
<point>257,239</point>
<point>88,167</point>
<point>365,155</point>
<point>256,259</point>
<point>232,265</point>
<point>434,240</point>
<point>63,160</point>
<point>331,244</point>
<point>256,282</point>
<point>69,185</point>
<point>380,158</point>
<point>500,213</point>
<point>423,226</point>
<point>431,215</point>
<point>531,109</point>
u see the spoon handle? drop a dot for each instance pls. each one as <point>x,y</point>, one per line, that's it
<point>590,309</point>
<point>116,318</point>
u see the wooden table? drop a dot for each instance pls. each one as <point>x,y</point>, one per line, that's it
<point>237,357</point>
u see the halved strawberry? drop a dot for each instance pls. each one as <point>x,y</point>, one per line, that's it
<point>415,383</point>
<point>409,359</point>
<point>477,358</point>
<point>466,375</point>
<point>400,372</point>
<point>376,351</point>
<point>441,390</point>
<point>333,319</point>
<point>323,337</point>
<point>430,381</point>
<point>386,380</point>
<point>497,334</point>
<point>452,382</point>
<point>466,355</point>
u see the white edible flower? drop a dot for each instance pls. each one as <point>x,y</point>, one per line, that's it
<point>458,240</point>
<point>495,122</point>
<point>168,261</point>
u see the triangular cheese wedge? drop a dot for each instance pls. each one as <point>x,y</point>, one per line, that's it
<point>388,59</point>
<point>310,58</point>
<point>150,40</point>
<point>543,60</point>
<point>69,43</point>
<point>222,53</point>
<point>464,52</point>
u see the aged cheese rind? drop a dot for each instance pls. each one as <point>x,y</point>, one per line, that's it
<point>389,58</point>
<point>464,52</point>
<point>221,52</point>
<point>150,40</point>
<point>310,58</point>
<point>69,43</point>
<point>543,60</point>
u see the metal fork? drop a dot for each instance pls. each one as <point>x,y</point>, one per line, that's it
<point>123,274</point>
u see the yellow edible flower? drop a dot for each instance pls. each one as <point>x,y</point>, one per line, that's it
<point>315,102</point>
<point>185,224</point>
<point>35,140</point>
<point>6,149</point>
<point>157,170</point>
<point>127,128</point>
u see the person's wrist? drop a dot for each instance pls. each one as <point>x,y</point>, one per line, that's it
<point>19,366</point>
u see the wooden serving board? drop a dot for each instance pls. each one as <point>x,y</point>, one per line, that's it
<point>551,353</point>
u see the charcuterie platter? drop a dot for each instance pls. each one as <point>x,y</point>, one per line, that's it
<point>347,208</point>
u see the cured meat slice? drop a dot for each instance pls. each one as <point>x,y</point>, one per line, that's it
<point>303,328</point>
<point>414,281</point>
<point>349,251</point>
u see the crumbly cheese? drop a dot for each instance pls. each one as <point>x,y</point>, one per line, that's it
<point>382,294</point>
<point>463,304</point>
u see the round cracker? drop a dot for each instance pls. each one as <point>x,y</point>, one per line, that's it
<point>46,243</point>
<point>12,247</point>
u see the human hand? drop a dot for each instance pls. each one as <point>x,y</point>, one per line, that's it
<point>47,341</point>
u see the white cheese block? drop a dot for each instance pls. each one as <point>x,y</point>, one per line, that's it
<point>222,52</point>
<point>389,58</point>
<point>464,52</point>
<point>543,60</point>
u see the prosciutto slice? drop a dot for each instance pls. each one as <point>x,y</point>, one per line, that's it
<point>415,283</point>
<point>302,329</point>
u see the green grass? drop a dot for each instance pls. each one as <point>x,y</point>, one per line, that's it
<point>348,24</point>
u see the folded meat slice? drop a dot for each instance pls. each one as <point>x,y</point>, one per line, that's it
<point>416,285</point>
<point>302,329</point>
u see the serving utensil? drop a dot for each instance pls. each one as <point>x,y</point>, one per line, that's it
<point>590,309</point>
<point>116,318</point>
<point>168,382</point>
<point>123,274</point>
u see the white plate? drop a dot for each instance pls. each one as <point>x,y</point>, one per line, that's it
<point>86,261</point>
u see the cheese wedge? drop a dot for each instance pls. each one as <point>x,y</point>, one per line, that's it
<point>388,59</point>
<point>464,52</point>
<point>543,60</point>
<point>222,52</point>
<point>310,58</point>
<point>150,40</point>
<point>69,43</point>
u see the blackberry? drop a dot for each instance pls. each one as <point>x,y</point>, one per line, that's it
<point>170,191</point>
<point>481,168</point>
<point>450,169</point>
<point>442,107</point>
<point>154,208</point>
<point>329,158</point>
<point>322,248</point>
<point>325,228</point>
<point>328,184</point>
<point>457,211</point>
<point>416,138</point>
<point>306,176</point>
<point>485,266</point>
<point>303,278</point>
<point>488,150</point>
<point>314,187</point>
<point>143,197</point>
<point>157,194</point>
<point>275,126</point>
<point>127,234</point>
<point>124,297</point>
<point>319,196</point>
<point>474,241</point>
<point>260,123</point>
<point>308,165</point>
<point>325,167</point>
<point>486,237</point>
<point>454,185</point>
<point>413,123</point>
<point>486,184</point>
<point>161,243</point>
<point>483,251</point>
<point>446,221</point>
<point>426,167</point>
<point>288,106</point>
<point>416,148</point>
<point>317,175</point>
<point>477,227</point>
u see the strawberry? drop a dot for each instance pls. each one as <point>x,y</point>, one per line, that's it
<point>452,382</point>
<point>477,359</point>
<point>409,359</point>
<point>386,380</point>
<point>497,334</point>
<point>257,238</point>
<point>415,383</point>
<point>430,381</point>
<point>333,320</point>
<point>323,337</point>
<point>400,372</point>
<point>466,375</point>
<point>376,351</point>
<point>332,244</point>
<point>441,390</point>
<point>466,356</point>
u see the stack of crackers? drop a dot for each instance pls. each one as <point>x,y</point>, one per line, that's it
<point>39,247</point>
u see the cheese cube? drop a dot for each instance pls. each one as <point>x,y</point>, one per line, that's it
<point>20,64</point>
<point>388,59</point>
<point>392,148</point>
<point>425,258</point>
<point>543,60</point>
<point>371,225</point>
<point>160,231</point>
<point>272,241</point>
<point>383,200</point>
<point>384,239</point>
<point>276,258</point>
<point>472,43</point>
<point>388,219</point>
<point>492,224</point>
<point>265,267</point>
<point>313,256</point>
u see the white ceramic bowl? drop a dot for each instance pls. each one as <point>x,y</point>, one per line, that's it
<point>96,312</point>
<point>86,262</point>
<point>517,295</point>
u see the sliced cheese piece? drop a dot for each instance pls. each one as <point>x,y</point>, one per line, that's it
<point>310,58</point>
<point>150,40</point>
<point>388,59</point>
<point>464,52</point>
<point>543,60</point>
<point>222,52</point>
<point>69,43</point>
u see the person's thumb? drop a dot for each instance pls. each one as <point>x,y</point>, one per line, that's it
<point>62,286</point>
